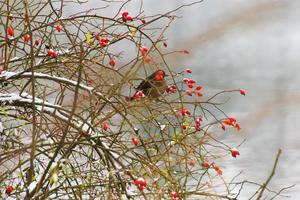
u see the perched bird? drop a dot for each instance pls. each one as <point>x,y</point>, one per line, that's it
<point>153,86</point>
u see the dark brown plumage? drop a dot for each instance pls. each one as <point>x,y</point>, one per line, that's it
<point>154,85</point>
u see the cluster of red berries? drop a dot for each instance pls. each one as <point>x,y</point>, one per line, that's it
<point>218,169</point>
<point>102,41</point>
<point>141,183</point>
<point>10,32</point>
<point>230,121</point>
<point>185,112</point>
<point>171,89</point>
<point>52,53</point>
<point>198,123</point>
<point>207,165</point>
<point>190,84</point>
<point>26,37</point>
<point>126,17</point>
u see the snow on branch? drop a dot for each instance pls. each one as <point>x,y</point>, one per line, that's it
<point>6,75</point>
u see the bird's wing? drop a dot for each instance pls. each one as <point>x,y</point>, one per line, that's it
<point>145,84</point>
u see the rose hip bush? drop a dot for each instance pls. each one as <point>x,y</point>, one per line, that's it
<point>68,127</point>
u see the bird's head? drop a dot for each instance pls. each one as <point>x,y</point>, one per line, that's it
<point>159,75</point>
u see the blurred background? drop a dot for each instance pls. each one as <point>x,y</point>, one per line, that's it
<point>253,45</point>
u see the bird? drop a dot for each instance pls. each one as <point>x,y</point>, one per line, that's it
<point>152,87</point>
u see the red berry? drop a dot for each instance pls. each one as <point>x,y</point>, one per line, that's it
<point>185,80</point>
<point>188,71</point>
<point>237,126</point>
<point>140,182</point>
<point>141,188</point>
<point>185,112</point>
<point>102,44</point>
<point>199,94</point>
<point>188,92</point>
<point>55,54</point>
<point>37,42</point>
<point>190,85</point>
<point>216,167</point>
<point>198,87</point>
<point>228,122</point>
<point>98,37</point>
<point>135,141</point>
<point>197,127</point>
<point>144,183</point>
<point>188,113</point>
<point>143,50</point>
<point>191,162</point>
<point>105,127</point>
<point>51,52</point>
<point>129,18</point>
<point>174,87</point>
<point>206,164</point>
<point>143,21</point>
<point>198,120</point>
<point>27,37</point>
<point>124,14</point>
<point>58,28</point>
<point>112,62</point>
<point>234,152</point>
<point>219,172</point>
<point>10,31</point>
<point>138,95</point>
<point>191,81</point>
<point>147,60</point>
<point>9,189</point>
<point>242,92</point>
<point>105,40</point>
